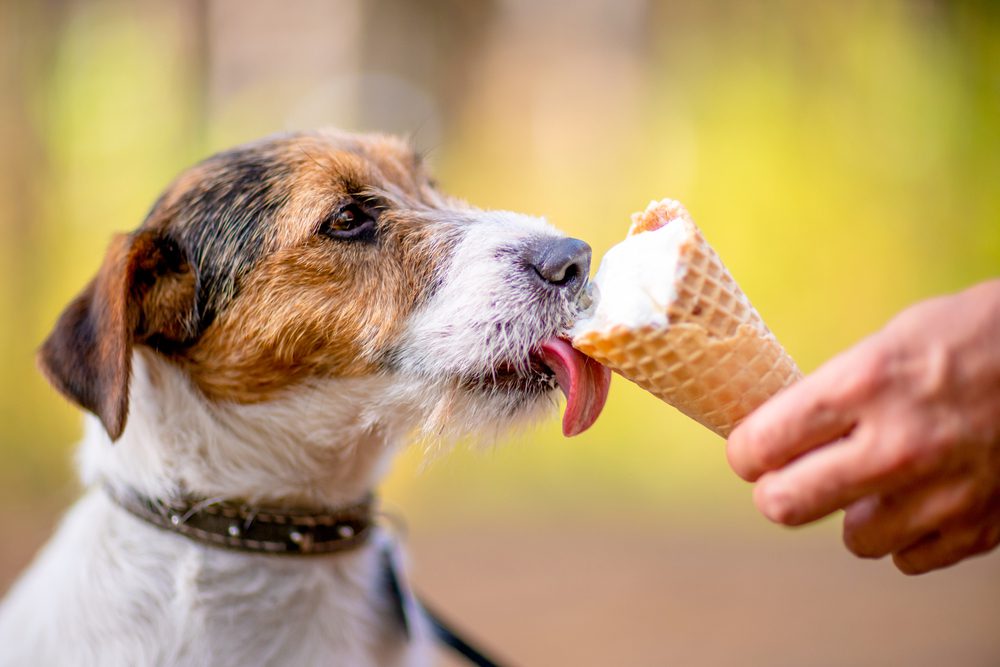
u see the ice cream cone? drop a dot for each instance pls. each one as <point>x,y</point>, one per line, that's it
<point>698,343</point>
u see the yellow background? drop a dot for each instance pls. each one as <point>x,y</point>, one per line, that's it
<point>842,157</point>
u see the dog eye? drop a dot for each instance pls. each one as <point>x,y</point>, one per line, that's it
<point>349,223</point>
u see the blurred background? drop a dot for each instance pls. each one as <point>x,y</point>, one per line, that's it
<point>842,157</point>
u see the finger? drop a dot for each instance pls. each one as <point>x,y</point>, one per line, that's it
<point>833,477</point>
<point>951,545</point>
<point>818,409</point>
<point>876,526</point>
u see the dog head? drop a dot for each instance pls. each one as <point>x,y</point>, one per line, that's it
<point>321,257</point>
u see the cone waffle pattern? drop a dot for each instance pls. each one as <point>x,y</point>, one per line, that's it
<point>716,361</point>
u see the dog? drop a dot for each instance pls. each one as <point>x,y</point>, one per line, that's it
<point>290,313</point>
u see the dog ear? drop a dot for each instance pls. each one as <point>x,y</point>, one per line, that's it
<point>143,293</point>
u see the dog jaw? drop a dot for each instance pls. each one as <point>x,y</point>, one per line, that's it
<point>475,342</point>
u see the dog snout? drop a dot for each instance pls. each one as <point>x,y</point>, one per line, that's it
<point>561,262</point>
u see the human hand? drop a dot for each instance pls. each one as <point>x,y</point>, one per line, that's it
<point>902,431</point>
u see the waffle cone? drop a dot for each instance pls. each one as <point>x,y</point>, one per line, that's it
<point>714,359</point>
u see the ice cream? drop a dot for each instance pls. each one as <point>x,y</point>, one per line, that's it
<point>669,316</point>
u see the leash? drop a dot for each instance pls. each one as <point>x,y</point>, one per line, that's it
<point>408,606</point>
<point>446,634</point>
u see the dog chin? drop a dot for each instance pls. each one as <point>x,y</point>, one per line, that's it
<point>488,408</point>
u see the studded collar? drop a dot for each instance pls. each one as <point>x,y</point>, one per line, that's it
<point>242,527</point>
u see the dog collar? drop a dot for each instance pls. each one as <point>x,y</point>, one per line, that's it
<point>242,527</point>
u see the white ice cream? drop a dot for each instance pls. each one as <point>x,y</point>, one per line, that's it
<point>636,281</point>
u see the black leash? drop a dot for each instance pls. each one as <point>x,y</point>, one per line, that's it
<point>408,606</point>
<point>445,634</point>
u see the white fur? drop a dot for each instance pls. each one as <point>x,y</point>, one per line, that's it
<point>486,313</point>
<point>110,589</point>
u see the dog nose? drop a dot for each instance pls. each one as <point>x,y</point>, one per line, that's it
<point>563,262</point>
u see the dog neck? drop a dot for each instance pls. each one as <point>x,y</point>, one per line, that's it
<point>318,445</point>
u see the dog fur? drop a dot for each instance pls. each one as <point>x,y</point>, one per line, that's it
<point>252,341</point>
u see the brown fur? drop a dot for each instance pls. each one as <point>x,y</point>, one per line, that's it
<point>88,356</point>
<point>315,307</point>
<point>294,303</point>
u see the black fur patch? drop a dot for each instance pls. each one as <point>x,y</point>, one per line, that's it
<point>222,224</point>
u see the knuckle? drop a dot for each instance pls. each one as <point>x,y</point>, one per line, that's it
<point>823,410</point>
<point>904,453</point>
<point>943,435</point>
<point>899,455</point>
<point>762,455</point>
<point>936,370</point>
<point>873,373</point>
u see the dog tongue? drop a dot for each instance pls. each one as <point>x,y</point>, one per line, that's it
<point>584,382</point>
